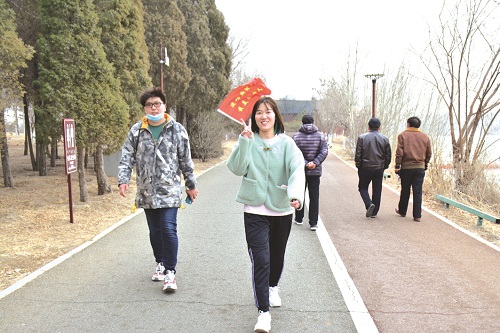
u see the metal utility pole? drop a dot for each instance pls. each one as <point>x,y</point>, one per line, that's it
<point>374,78</point>
<point>163,60</point>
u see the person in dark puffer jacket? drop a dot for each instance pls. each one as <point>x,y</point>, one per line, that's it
<point>313,145</point>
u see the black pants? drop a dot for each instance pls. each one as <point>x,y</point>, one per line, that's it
<point>266,240</point>
<point>375,177</point>
<point>414,179</point>
<point>312,184</point>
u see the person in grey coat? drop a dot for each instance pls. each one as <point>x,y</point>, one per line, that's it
<point>314,148</point>
<point>372,157</point>
<point>159,147</point>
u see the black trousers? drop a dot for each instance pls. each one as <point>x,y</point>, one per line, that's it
<point>375,177</point>
<point>312,184</point>
<point>414,179</point>
<point>266,237</point>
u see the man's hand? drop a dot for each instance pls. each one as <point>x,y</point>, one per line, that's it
<point>123,190</point>
<point>192,194</point>
<point>295,203</point>
<point>311,165</point>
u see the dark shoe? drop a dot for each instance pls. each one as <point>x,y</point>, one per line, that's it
<point>417,219</point>
<point>314,227</point>
<point>370,210</point>
<point>397,212</point>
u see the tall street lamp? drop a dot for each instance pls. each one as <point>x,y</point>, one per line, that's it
<point>374,78</point>
<point>163,61</point>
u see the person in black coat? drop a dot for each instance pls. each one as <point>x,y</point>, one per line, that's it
<point>313,145</point>
<point>372,157</point>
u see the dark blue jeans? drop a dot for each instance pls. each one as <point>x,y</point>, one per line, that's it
<point>162,223</point>
<point>266,237</point>
<point>414,179</point>
<point>312,184</point>
<point>375,177</point>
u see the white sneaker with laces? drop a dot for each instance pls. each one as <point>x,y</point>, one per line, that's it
<point>263,322</point>
<point>170,282</point>
<point>159,274</point>
<point>274,297</point>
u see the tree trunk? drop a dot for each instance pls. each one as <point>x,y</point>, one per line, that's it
<point>28,144</point>
<point>103,185</point>
<point>16,119</point>
<point>84,193</point>
<point>4,153</point>
<point>53,152</point>
<point>86,159</point>
<point>41,158</point>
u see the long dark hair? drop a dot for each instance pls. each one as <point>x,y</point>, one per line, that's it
<point>279,127</point>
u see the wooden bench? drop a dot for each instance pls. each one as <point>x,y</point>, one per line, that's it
<point>480,215</point>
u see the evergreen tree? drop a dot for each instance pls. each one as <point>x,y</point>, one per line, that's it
<point>76,80</point>
<point>221,51</point>
<point>28,26</point>
<point>13,56</point>
<point>209,57</point>
<point>200,94</point>
<point>123,38</point>
<point>163,22</point>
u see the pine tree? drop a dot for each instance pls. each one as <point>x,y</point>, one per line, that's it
<point>163,22</point>
<point>123,38</point>
<point>28,26</point>
<point>209,57</point>
<point>76,80</point>
<point>13,56</point>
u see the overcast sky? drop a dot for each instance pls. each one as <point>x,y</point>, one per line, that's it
<point>294,43</point>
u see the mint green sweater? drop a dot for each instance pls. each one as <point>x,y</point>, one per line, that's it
<point>273,175</point>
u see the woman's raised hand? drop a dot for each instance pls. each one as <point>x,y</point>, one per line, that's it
<point>247,129</point>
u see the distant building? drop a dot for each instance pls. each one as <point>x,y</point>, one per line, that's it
<point>291,109</point>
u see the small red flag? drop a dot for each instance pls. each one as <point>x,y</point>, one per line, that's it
<point>239,103</point>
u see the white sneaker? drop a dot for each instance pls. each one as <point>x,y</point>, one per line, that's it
<point>159,273</point>
<point>274,297</point>
<point>263,322</point>
<point>298,223</point>
<point>170,283</point>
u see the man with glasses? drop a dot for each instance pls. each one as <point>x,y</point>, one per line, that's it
<point>159,148</point>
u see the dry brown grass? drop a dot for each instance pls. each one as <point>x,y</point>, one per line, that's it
<point>35,223</point>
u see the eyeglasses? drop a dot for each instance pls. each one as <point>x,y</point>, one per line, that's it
<point>155,104</point>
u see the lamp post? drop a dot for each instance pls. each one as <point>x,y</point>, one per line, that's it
<point>162,62</point>
<point>374,78</point>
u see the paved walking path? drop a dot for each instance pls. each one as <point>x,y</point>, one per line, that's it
<point>410,277</point>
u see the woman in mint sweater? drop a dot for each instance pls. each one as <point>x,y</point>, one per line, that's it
<point>273,184</point>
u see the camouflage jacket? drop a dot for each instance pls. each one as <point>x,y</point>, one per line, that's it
<point>159,164</point>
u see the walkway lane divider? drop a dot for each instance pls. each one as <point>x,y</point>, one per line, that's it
<point>359,313</point>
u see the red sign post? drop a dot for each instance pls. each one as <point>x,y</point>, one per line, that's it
<point>70,156</point>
